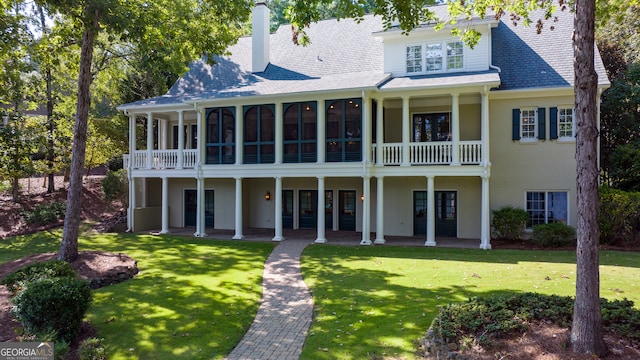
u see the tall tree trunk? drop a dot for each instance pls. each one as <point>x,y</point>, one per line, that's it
<point>586,331</point>
<point>15,189</point>
<point>69,247</point>
<point>50,125</point>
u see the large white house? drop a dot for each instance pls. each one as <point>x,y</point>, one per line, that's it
<point>364,130</point>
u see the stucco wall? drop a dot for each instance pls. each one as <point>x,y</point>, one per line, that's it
<point>547,165</point>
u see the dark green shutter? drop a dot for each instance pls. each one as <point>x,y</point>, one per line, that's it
<point>515,131</point>
<point>541,124</point>
<point>553,123</point>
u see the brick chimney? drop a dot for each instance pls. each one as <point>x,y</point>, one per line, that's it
<point>260,37</point>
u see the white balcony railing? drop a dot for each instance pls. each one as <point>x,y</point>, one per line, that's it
<point>430,153</point>
<point>162,159</point>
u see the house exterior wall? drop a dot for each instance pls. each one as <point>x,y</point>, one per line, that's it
<point>547,165</point>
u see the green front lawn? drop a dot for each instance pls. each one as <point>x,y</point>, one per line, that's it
<point>375,302</point>
<point>192,299</point>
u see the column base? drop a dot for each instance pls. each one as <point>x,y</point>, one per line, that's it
<point>429,243</point>
<point>379,241</point>
<point>238,237</point>
<point>321,241</point>
<point>200,234</point>
<point>486,246</point>
<point>365,242</point>
<point>163,232</point>
<point>277,238</point>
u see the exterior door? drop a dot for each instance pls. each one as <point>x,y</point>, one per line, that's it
<point>308,216</point>
<point>446,213</point>
<point>419,213</point>
<point>191,207</point>
<point>287,209</point>
<point>347,216</point>
<point>328,209</point>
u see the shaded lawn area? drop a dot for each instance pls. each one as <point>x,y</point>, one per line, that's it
<point>377,302</point>
<point>193,298</point>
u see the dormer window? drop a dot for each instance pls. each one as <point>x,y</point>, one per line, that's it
<point>414,59</point>
<point>437,57</point>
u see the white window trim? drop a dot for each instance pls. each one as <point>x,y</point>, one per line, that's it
<point>529,230</point>
<point>572,138</point>
<point>423,53</point>
<point>534,139</point>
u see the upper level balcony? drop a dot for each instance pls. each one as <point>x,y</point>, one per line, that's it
<point>419,153</point>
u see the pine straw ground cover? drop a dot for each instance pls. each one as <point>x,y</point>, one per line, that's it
<point>193,298</point>
<point>378,302</point>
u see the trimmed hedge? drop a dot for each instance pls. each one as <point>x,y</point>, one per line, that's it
<point>509,222</point>
<point>20,278</point>
<point>554,235</point>
<point>53,305</point>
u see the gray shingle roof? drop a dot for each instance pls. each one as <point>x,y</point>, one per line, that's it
<point>531,60</point>
<point>345,55</point>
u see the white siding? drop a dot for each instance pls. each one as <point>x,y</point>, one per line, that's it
<point>476,59</point>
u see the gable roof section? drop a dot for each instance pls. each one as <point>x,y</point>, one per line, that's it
<point>529,60</point>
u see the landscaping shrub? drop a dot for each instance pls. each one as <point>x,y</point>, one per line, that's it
<point>92,349</point>
<point>44,214</point>
<point>509,222</point>
<point>554,234</point>
<point>115,186</point>
<point>485,319</point>
<point>57,304</point>
<point>20,278</point>
<point>115,163</point>
<point>619,216</point>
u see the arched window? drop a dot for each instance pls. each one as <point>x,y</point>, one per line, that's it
<point>259,131</point>
<point>220,136</point>
<point>300,132</point>
<point>344,124</point>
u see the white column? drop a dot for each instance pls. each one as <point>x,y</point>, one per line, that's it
<point>484,123</point>
<point>379,131</point>
<point>180,139</point>
<point>278,211</point>
<point>143,192</point>
<point>366,211</point>
<point>165,205</point>
<point>239,137</point>
<point>149,140</point>
<point>238,235</point>
<point>132,185</point>
<point>366,128</point>
<point>200,209</point>
<point>321,239</point>
<point>485,218</point>
<point>321,137</point>
<point>431,213</point>
<point>278,136</point>
<point>406,131</point>
<point>455,129</point>
<point>380,211</point>
<point>202,141</point>
<point>162,134</point>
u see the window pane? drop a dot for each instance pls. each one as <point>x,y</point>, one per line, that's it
<point>291,123</point>
<point>565,123</point>
<point>267,122</point>
<point>455,55</point>
<point>334,120</point>
<point>213,130</point>
<point>528,124</point>
<point>251,125</point>
<point>535,208</point>
<point>309,126</point>
<point>228,126</point>
<point>414,59</point>
<point>434,57</point>
<point>557,207</point>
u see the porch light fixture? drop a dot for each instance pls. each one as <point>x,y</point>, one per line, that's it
<point>362,197</point>
<point>267,196</point>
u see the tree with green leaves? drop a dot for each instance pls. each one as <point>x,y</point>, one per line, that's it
<point>586,331</point>
<point>170,32</point>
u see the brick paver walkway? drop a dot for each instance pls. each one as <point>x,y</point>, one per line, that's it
<point>284,317</point>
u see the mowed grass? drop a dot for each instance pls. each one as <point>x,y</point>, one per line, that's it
<point>193,298</point>
<point>377,302</point>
